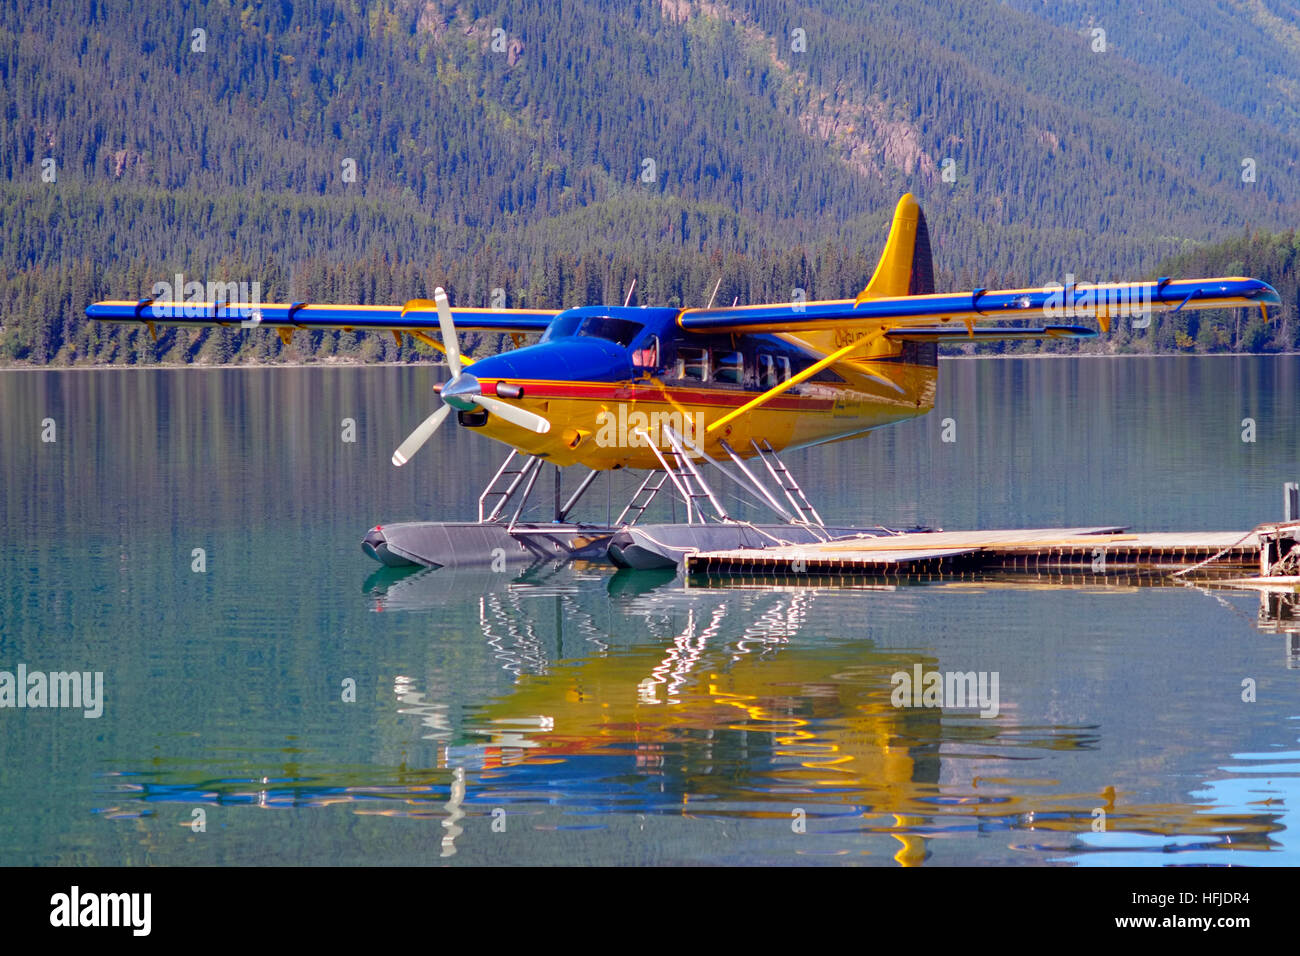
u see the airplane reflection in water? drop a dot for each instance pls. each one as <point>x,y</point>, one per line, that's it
<point>720,686</point>
<point>632,698</point>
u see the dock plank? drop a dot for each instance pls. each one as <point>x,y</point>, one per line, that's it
<point>1019,547</point>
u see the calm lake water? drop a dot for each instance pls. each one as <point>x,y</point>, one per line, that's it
<point>574,715</point>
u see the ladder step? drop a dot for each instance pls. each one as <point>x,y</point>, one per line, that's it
<point>786,481</point>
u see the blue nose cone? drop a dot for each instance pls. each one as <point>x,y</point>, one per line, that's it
<point>580,359</point>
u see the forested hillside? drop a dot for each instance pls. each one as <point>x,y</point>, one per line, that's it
<point>366,152</point>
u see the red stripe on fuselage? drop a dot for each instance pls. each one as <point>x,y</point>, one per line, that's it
<point>637,392</point>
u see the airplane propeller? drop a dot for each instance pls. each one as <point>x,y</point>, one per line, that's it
<point>461,392</point>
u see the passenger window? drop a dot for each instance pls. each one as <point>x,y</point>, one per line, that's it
<point>647,356</point>
<point>783,368</point>
<point>766,371</point>
<point>728,367</point>
<point>693,364</point>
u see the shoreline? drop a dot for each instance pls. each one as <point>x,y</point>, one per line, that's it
<point>1119,355</point>
<point>359,365</point>
<point>193,365</point>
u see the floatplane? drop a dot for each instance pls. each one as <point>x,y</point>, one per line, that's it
<point>678,392</point>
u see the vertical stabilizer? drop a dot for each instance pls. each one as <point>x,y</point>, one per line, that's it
<point>905,267</point>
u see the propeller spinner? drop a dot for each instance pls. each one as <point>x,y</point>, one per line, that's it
<point>461,392</point>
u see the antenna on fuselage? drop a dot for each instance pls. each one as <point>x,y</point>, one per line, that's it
<point>715,293</point>
<point>630,290</point>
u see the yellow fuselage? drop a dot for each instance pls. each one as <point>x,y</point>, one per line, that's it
<point>604,425</point>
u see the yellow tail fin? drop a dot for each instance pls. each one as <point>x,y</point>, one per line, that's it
<point>905,267</point>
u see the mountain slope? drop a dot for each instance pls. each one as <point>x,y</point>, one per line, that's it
<point>500,142</point>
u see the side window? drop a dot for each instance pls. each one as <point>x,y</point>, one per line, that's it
<point>782,368</point>
<point>647,356</point>
<point>728,367</point>
<point>693,364</point>
<point>766,371</point>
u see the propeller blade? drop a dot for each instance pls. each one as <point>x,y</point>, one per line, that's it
<point>513,414</point>
<point>448,327</point>
<point>418,437</point>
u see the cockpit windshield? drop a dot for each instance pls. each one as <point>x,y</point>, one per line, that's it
<point>618,331</point>
<point>561,327</point>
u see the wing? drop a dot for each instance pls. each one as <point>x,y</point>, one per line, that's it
<point>921,317</point>
<point>417,317</point>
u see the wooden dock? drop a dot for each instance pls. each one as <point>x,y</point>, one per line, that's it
<point>1098,550</point>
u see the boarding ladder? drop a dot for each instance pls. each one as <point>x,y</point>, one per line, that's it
<point>686,478</point>
<point>506,482</point>
<point>781,475</point>
<point>640,501</point>
<point>689,481</point>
